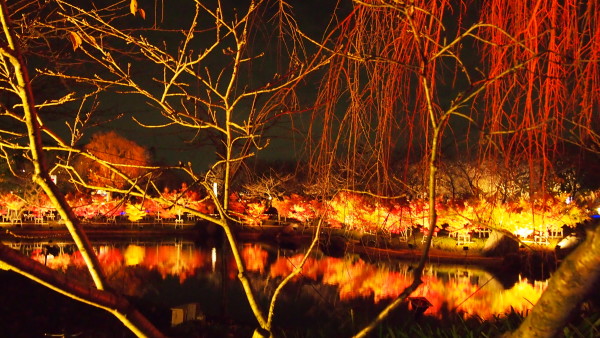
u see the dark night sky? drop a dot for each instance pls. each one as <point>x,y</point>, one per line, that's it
<point>171,144</point>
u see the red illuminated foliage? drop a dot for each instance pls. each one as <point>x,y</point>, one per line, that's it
<point>175,200</point>
<point>298,207</point>
<point>351,211</point>
<point>249,212</point>
<point>354,211</point>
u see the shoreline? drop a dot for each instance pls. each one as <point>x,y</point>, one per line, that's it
<point>333,241</point>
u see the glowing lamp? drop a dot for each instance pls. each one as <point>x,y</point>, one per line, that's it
<point>523,232</point>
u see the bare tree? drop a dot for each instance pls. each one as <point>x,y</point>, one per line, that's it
<point>17,82</point>
<point>199,77</point>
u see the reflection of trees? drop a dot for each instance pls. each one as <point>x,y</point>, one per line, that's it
<point>465,290</point>
<point>470,291</point>
<point>175,260</point>
<point>132,262</point>
<point>255,258</point>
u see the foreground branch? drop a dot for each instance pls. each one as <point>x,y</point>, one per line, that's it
<point>116,305</point>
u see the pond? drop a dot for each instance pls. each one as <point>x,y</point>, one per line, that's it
<point>176,279</point>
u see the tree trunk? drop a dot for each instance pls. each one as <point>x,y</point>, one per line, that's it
<point>117,305</point>
<point>567,288</point>
<point>112,303</point>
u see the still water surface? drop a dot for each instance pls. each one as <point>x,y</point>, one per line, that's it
<point>170,273</point>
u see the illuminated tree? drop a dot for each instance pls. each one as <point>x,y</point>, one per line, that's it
<point>16,81</point>
<point>130,158</point>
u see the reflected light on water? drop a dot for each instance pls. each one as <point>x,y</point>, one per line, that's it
<point>471,291</point>
<point>134,255</point>
<point>213,258</point>
<point>255,258</point>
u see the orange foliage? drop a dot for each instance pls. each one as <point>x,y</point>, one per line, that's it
<point>254,257</point>
<point>355,212</point>
<point>470,291</point>
<point>297,207</point>
<point>127,156</point>
<point>11,201</point>
<point>351,211</point>
<point>250,212</point>
<point>454,291</point>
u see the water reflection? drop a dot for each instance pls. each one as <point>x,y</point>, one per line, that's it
<point>137,268</point>
<point>471,291</point>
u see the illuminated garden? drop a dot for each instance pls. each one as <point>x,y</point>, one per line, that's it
<point>550,216</point>
<point>300,168</point>
<point>464,284</point>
